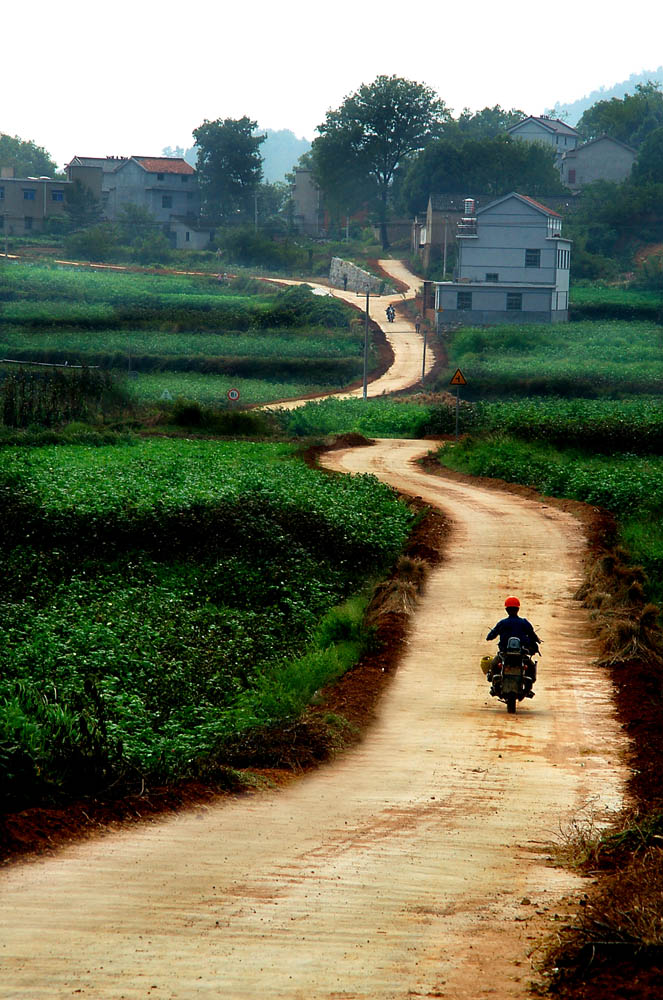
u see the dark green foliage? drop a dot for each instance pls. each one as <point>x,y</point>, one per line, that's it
<point>362,143</point>
<point>630,119</point>
<point>55,396</point>
<point>27,159</point>
<point>229,167</point>
<point>490,166</point>
<point>141,633</point>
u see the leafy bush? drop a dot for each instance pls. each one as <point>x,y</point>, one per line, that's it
<point>140,634</point>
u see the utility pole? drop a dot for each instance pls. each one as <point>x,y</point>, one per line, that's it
<point>366,345</point>
<point>444,259</point>
<point>255,210</point>
<point>423,363</point>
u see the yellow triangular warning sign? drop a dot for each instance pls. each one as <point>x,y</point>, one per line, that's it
<point>458,378</point>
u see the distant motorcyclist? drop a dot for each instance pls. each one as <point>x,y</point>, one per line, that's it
<point>513,626</point>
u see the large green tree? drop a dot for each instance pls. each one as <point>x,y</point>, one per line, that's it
<point>649,166</point>
<point>479,166</point>
<point>489,123</point>
<point>27,159</point>
<point>630,119</point>
<point>362,143</point>
<point>229,167</point>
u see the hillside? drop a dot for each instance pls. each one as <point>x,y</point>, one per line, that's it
<point>573,112</point>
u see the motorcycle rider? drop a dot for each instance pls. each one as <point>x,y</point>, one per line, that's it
<point>515,626</point>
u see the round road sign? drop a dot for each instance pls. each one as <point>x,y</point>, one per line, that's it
<point>233,395</point>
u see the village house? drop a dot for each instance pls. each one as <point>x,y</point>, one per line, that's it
<point>601,159</point>
<point>548,131</point>
<point>513,266</point>
<point>27,204</point>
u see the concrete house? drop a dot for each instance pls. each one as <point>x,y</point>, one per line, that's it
<point>513,266</point>
<point>28,203</point>
<point>601,159</point>
<point>165,186</point>
<point>307,208</point>
<point>547,131</point>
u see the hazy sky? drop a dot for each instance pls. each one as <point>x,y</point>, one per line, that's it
<point>133,76</point>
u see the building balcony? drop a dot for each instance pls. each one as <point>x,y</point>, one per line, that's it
<point>466,227</point>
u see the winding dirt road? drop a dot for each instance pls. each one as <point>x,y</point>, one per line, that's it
<point>401,335</point>
<point>413,866</point>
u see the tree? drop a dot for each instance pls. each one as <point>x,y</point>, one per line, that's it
<point>488,166</point>
<point>630,119</point>
<point>649,166</point>
<point>488,123</point>
<point>27,159</point>
<point>81,206</point>
<point>229,167</point>
<point>362,143</point>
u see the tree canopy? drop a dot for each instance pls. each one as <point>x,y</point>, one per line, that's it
<point>480,166</point>
<point>27,159</point>
<point>362,143</point>
<point>229,167</point>
<point>630,119</point>
<point>649,165</point>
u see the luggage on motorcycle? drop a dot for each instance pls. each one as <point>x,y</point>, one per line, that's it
<point>485,664</point>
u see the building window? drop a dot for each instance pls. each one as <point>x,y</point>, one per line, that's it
<point>159,177</point>
<point>187,236</point>
<point>2,194</point>
<point>27,222</point>
<point>185,178</point>
<point>28,194</point>
<point>167,201</point>
<point>572,176</point>
<point>57,195</point>
<point>492,276</point>
<point>532,258</point>
<point>464,300</point>
<point>189,196</point>
<point>514,301</point>
<point>563,259</point>
<point>2,222</point>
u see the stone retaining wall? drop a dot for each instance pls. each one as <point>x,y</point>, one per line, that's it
<point>357,279</point>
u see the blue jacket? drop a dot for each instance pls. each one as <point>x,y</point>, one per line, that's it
<point>515,626</point>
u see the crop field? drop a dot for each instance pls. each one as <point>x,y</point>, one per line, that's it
<point>588,358</point>
<point>140,635</point>
<point>178,324</point>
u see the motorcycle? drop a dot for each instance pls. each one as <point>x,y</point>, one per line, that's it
<point>514,676</point>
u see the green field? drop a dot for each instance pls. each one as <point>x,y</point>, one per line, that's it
<point>291,341</point>
<point>587,358</point>
<point>140,634</point>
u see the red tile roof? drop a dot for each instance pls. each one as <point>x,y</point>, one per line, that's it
<point>537,204</point>
<point>164,164</point>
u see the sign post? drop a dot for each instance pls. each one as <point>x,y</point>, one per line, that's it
<point>457,379</point>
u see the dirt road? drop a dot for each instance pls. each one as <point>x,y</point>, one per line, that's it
<point>414,866</point>
<point>404,340</point>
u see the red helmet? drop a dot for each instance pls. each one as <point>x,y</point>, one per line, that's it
<point>512,602</point>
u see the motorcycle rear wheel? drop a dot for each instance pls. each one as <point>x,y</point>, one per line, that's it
<point>511,704</point>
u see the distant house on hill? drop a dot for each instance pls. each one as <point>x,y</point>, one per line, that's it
<point>513,266</point>
<point>601,159</point>
<point>548,131</point>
